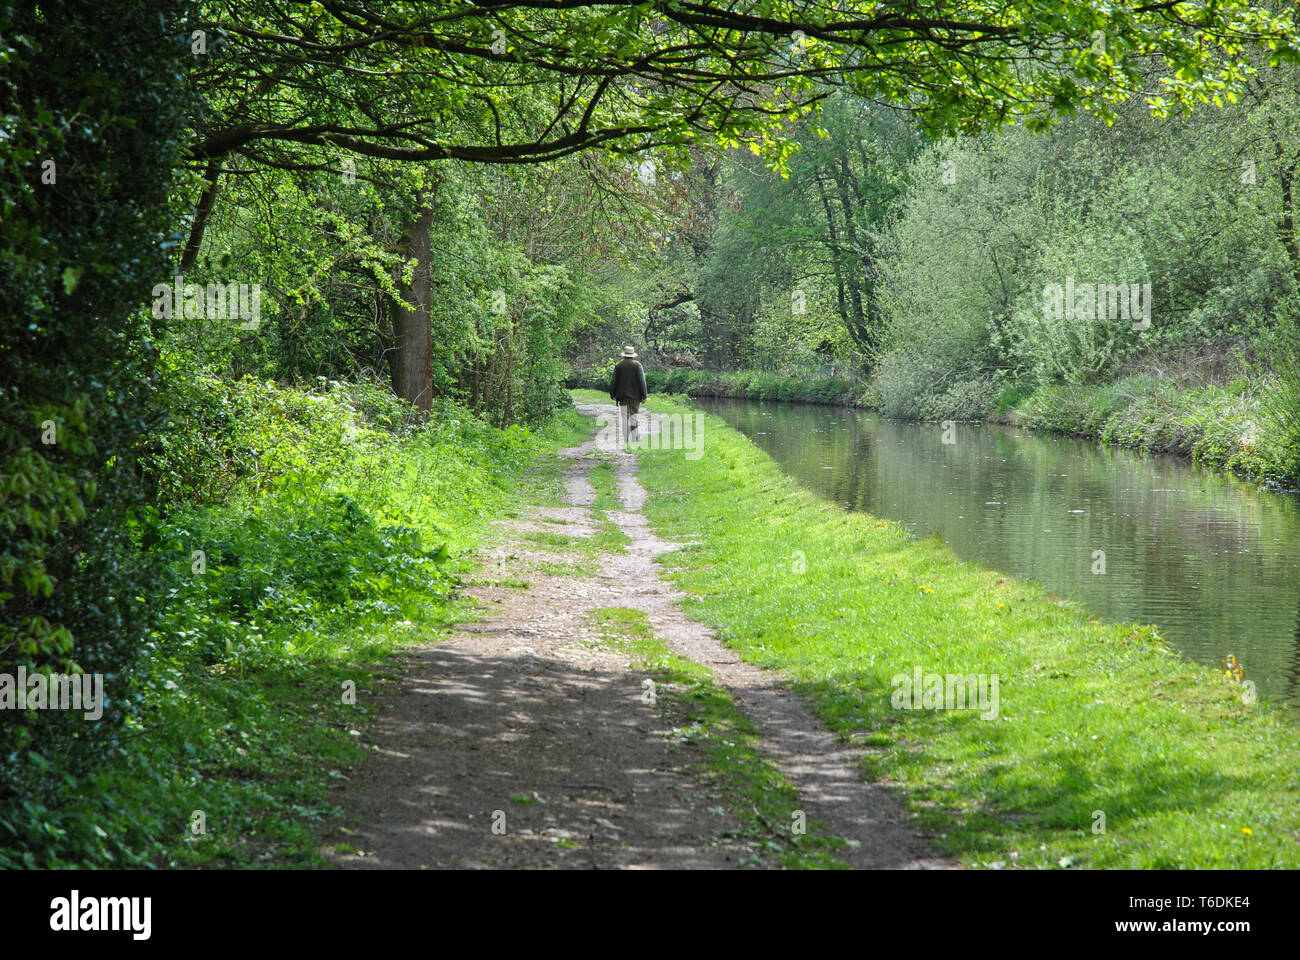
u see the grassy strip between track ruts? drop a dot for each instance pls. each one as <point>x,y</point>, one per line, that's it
<point>764,804</point>
<point>1106,750</point>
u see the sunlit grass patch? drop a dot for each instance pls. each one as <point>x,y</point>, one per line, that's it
<point>1099,725</point>
<point>545,538</point>
<point>562,569</point>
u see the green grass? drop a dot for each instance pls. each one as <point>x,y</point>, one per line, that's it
<point>544,486</point>
<point>266,666</point>
<point>544,538</point>
<point>542,481</point>
<point>596,396</point>
<point>602,478</point>
<point>749,785</point>
<point>552,569</point>
<point>608,538</point>
<point>1093,717</point>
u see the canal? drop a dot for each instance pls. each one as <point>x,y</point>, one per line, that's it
<point>1212,562</point>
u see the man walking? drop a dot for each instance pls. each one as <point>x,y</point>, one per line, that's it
<point>627,389</point>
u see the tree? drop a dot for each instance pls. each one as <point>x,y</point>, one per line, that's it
<point>296,87</point>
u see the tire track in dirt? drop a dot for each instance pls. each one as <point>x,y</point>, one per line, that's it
<point>822,768</point>
<point>523,741</point>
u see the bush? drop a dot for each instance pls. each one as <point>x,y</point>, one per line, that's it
<point>1054,341</point>
<point>923,386</point>
<point>220,431</point>
<point>1282,405</point>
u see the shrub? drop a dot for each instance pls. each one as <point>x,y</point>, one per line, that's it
<point>922,386</point>
<point>1054,341</point>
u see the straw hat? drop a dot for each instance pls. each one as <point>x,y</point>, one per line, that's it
<point>629,352</point>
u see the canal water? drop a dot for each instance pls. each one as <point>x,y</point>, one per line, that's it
<point>1213,562</point>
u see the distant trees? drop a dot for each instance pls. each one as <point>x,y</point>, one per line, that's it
<point>792,266</point>
<point>1194,207</point>
<point>927,264</point>
<point>316,87</point>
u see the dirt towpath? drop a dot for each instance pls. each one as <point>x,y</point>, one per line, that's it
<point>524,741</point>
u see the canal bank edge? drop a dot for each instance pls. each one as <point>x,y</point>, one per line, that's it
<point>1107,749</point>
<point>1216,426</point>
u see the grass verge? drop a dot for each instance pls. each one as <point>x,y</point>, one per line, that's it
<point>1229,427</point>
<point>1106,749</point>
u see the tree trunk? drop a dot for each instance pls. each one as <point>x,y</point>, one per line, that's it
<point>843,178</point>
<point>1286,231</point>
<point>508,409</point>
<point>412,357</point>
<point>212,175</point>
<point>836,253</point>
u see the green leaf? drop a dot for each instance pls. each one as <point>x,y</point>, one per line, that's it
<point>71,277</point>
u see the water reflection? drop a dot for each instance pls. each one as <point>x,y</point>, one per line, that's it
<point>1214,563</point>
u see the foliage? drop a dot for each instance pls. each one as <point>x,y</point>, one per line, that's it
<point>1233,426</point>
<point>988,228</point>
<point>1282,405</point>
<point>508,291</point>
<point>1079,346</point>
<point>92,116</point>
<point>488,84</point>
<point>319,554</point>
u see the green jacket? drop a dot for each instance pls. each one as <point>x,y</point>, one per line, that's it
<point>628,381</point>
